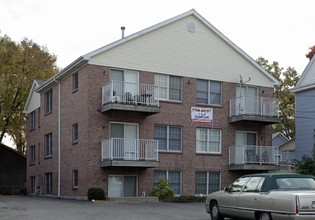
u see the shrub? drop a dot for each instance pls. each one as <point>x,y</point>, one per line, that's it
<point>96,193</point>
<point>23,191</point>
<point>163,191</point>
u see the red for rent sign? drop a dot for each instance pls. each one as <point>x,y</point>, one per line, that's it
<point>201,115</point>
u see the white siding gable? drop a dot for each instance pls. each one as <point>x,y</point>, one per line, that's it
<point>33,100</point>
<point>307,80</point>
<point>172,49</point>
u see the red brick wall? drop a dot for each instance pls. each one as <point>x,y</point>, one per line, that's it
<point>83,107</point>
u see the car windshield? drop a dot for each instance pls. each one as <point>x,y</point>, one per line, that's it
<point>296,183</point>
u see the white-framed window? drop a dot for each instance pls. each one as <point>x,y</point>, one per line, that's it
<point>32,154</point>
<point>38,157</point>
<point>32,120</point>
<point>209,92</point>
<point>170,87</point>
<point>278,157</point>
<point>208,140</point>
<point>169,137</point>
<point>75,179</point>
<point>207,182</point>
<point>174,178</point>
<point>75,133</point>
<point>32,185</point>
<point>48,101</point>
<point>48,183</point>
<point>75,81</point>
<point>48,145</point>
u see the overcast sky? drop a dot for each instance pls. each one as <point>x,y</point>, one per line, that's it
<point>278,30</point>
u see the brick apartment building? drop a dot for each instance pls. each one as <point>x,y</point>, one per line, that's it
<point>119,118</point>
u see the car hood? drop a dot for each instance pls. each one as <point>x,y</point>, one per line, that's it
<point>216,193</point>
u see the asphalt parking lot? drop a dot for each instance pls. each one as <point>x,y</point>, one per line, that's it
<point>25,207</point>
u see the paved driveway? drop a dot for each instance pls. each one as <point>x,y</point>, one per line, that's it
<point>21,207</point>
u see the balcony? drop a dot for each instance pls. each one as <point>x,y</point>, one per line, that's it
<point>250,157</point>
<point>259,109</point>
<point>123,152</point>
<point>126,96</point>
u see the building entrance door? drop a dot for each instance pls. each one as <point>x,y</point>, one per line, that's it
<point>122,186</point>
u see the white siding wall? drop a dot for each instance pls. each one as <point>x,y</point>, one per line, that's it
<point>309,78</point>
<point>174,50</point>
<point>34,102</point>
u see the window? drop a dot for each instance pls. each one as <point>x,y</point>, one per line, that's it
<point>32,155</point>
<point>48,145</point>
<point>170,87</point>
<point>254,184</point>
<point>48,101</point>
<point>246,148</point>
<point>209,92</point>
<point>169,137</point>
<point>174,178</point>
<point>32,184</point>
<point>278,157</point>
<point>38,153</point>
<point>207,182</point>
<point>48,183</point>
<point>38,117</point>
<point>238,184</point>
<point>32,120</point>
<point>75,133</point>
<point>75,79</point>
<point>75,177</point>
<point>208,140</point>
<point>296,183</point>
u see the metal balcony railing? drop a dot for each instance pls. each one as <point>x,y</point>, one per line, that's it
<point>129,149</point>
<point>251,154</point>
<point>253,105</point>
<point>130,93</point>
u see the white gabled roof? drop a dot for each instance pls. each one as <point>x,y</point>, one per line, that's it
<point>307,80</point>
<point>31,97</point>
<point>87,57</point>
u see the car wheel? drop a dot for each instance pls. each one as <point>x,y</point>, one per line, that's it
<point>264,216</point>
<point>214,212</point>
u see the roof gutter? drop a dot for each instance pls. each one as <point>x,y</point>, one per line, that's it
<point>59,75</point>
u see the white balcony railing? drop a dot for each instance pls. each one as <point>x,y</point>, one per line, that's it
<point>130,93</point>
<point>129,149</point>
<point>250,154</point>
<point>253,105</point>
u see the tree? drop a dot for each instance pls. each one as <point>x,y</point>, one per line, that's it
<point>20,64</point>
<point>307,164</point>
<point>310,54</point>
<point>288,79</point>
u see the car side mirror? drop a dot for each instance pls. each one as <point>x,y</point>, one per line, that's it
<point>227,189</point>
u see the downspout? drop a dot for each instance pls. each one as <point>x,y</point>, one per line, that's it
<point>59,161</point>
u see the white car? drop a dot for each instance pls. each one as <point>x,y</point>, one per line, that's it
<point>265,196</point>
